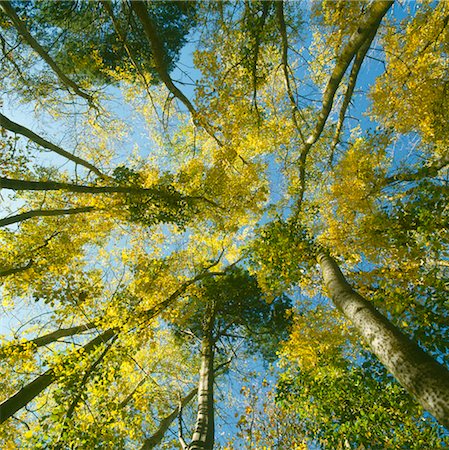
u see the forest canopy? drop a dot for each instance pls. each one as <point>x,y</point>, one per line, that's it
<point>224,224</point>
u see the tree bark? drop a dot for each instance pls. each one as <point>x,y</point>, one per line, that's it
<point>422,376</point>
<point>29,39</point>
<point>203,434</point>
<point>43,213</point>
<point>165,423</point>
<point>32,136</point>
<point>30,391</point>
<point>366,30</point>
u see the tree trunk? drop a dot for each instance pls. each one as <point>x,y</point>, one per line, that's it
<point>43,213</point>
<point>155,439</point>
<point>417,372</point>
<point>19,129</point>
<point>30,391</point>
<point>203,435</point>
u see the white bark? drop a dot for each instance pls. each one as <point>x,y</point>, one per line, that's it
<point>422,376</point>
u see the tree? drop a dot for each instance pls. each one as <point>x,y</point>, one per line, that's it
<point>251,186</point>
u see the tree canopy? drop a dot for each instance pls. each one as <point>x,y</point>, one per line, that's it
<point>224,224</point>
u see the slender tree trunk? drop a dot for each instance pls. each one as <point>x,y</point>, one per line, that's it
<point>417,372</point>
<point>203,434</point>
<point>19,129</point>
<point>43,213</point>
<point>22,30</point>
<point>30,391</point>
<point>156,438</point>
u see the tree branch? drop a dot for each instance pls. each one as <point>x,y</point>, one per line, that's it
<point>48,338</point>
<point>21,28</point>
<point>25,185</point>
<point>43,213</point>
<point>19,129</point>
<point>5,273</point>
<point>31,390</point>
<point>159,56</point>
<point>423,172</point>
<point>156,438</point>
<point>359,58</point>
<point>367,28</point>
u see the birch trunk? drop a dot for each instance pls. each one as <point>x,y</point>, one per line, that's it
<point>417,372</point>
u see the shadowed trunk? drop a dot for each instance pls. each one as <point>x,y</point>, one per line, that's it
<point>417,372</point>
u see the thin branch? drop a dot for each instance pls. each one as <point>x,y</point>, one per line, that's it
<point>129,397</point>
<point>285,66</point>
<point>12,271</point>
<point>21,28</point>
<point>107,6</point>
<point>79,393</point>
<point>159,56</point>
<point>19,129</point>
<point>423,172</point>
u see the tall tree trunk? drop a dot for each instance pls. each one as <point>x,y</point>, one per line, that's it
<point>417,372</point>
<point>203,434</point>
<point>156,438</point>
<point>20,129</point>
<point>29,39</point>
<point>31,390</point>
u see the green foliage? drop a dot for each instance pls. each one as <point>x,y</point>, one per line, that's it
<point>282,254</point>
<point>159,204</point>
<point>61,26</point>
<point>240,309</point>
